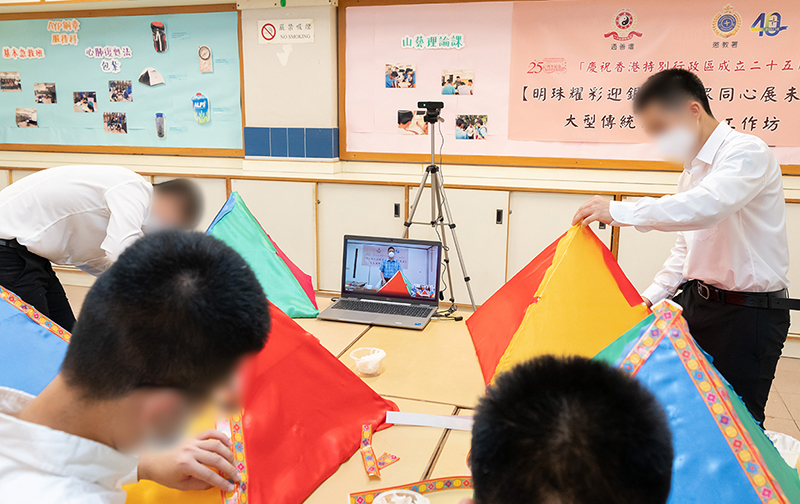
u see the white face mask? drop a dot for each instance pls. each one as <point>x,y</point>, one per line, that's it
<point>391,254</point>
<point>678,143</point>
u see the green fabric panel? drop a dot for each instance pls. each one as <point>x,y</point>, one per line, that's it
<point>785,474</point>
<point>612,353</point>
<point>242,232</point>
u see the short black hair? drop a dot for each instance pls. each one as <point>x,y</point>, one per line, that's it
<point>391,248</point>
<point>188,194</point>
<point>671,87</point>
<point>178,309</point>
<point>393,74</point>
<point>404,116</point>
<point>573,431</point>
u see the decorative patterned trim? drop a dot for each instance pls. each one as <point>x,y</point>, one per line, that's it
<point>373,464</point>
<point>669,323</point>
<point>715,395</point>
<point>31,312</point>
<point>666,315</point>
<point>232,428</point>
<point>422,487</point>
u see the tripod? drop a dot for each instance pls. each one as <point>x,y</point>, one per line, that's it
<point>440,209</point>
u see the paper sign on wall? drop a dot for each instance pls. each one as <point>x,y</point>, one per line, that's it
<point>286,31</point>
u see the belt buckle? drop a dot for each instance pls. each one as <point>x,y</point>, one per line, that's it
<point>704,291</point>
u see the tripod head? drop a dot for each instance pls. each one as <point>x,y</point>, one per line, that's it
<point>432,110</point>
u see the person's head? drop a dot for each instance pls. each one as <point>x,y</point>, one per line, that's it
<point>671,106</point>
<point>177,204</point>
<point>450,80</point>
<point>404,118</point>
<point>470,82</point>
<point>570,431</point>
<point>390,252</point>
<point>459,123</point>
<point>161,331</point>
<point>479,122</point>
<point>393,75</point>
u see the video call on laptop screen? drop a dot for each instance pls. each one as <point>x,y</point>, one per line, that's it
<point>398,270</point>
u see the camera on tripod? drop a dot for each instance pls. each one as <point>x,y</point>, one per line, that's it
<point>432,110</point>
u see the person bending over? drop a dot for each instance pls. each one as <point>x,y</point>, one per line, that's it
<point>162,330</point>
<point>82,216</point>
<point>570,431</point>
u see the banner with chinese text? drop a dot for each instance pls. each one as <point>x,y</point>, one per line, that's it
<point>577,65</point>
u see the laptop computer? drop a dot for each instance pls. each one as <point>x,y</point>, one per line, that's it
<point>388,281</point>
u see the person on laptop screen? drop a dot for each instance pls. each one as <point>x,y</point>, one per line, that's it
<point>390,266</point>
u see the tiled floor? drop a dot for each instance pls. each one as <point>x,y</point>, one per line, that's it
<point>783,408</point>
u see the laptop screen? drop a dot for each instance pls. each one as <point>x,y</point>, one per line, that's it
<point>395,268</point>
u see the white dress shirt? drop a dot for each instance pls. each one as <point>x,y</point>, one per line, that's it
<point>730,215</point>
<point>39,465</point>
<point>80,215</point>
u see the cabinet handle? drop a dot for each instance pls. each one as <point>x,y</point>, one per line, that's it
<point>397,210</point>
<point>499,216</point>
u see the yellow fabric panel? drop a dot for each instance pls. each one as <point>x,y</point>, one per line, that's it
<point>148,492</point>
<point>580,309</point>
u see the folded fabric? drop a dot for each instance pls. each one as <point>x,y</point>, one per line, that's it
<point>398,285</point>
<point>572,299</point>
<point>31,345</point>
<point>284,283</point>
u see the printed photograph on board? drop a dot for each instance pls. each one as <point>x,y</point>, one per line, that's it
<point>44,92</point>
<point>85,101</point>
<point>120,91</point>
<point>26,118</point>
<point>10,82</point>
<point>115,122</point>
<point>472,127</point>
<point>410,122</point>
<point>458,82</point>
<point>401,76</point>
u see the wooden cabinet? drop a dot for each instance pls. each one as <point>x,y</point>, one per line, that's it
<point>287,212</point>
<point>353,209</point>
<point>537,220</point>
<point>482,234</point>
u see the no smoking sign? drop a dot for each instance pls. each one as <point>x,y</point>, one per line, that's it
<point>268,31</point>
<point>286,31</point>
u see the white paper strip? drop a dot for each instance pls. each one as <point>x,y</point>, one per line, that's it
<point>463,423</point>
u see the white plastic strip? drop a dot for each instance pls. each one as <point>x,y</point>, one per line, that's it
<point>462,423</point>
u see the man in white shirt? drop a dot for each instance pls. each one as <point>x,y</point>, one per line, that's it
<point>83,216</point>
<point>731,257</point>
<point>162,330</point>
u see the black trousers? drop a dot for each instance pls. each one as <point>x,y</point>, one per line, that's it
<point>745,343</point>
<point>32,278</point>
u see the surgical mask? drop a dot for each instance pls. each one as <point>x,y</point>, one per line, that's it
<point>678,143</point>
<point>391,254</point>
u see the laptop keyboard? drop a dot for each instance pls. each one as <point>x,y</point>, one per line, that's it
<point>385,308</point>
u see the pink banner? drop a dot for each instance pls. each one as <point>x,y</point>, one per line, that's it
<point>576,65</point>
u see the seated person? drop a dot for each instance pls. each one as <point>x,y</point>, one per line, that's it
<point>570,431</point>
<point>161,331</point>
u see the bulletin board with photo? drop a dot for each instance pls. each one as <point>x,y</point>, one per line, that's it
<point>531,83</point>
<point>157,81</point>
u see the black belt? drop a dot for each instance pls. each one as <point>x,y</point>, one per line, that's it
<point>11,244</point>
<point>776,300</point>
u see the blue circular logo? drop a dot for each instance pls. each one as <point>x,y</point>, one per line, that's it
<point>726,23</point>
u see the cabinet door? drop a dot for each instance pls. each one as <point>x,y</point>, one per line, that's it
<point>481,235</point>
<point>641,255</point>
<point>214,196</point>
<point>353,209</point>
<point>287,212</point>
<point>537,220</point>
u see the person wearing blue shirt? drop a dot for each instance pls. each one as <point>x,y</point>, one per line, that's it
<point>481,129</point>
<point>449,88</point>
<point>411,78</point>
<point>461,133</point>
<point>389,266</point>
<point>391,80</point>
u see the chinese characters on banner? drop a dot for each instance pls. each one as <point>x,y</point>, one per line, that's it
<point>23,53</point>
<point>65,32</point>
<point>576,80</point>
<point>109,56</point>
<point>420,41</point>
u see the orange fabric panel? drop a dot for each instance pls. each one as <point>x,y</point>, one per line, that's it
<point>496,321</point>
<point>397,286</point>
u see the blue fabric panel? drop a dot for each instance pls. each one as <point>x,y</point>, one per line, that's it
<point>297,142</point>
<point>319,143</point>
<point>30,355</point>
<point>226,208</point>
<point>705,469</point>
<point>278,141</point>
<point>256,141</point>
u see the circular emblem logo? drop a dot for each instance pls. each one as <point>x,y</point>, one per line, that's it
<point>625,20</point>
<point>726,23</point>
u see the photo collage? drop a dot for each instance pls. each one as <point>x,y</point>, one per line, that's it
<point>459,82</point>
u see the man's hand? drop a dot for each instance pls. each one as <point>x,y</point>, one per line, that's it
<point>596,209</point>
<point>191,467</point>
